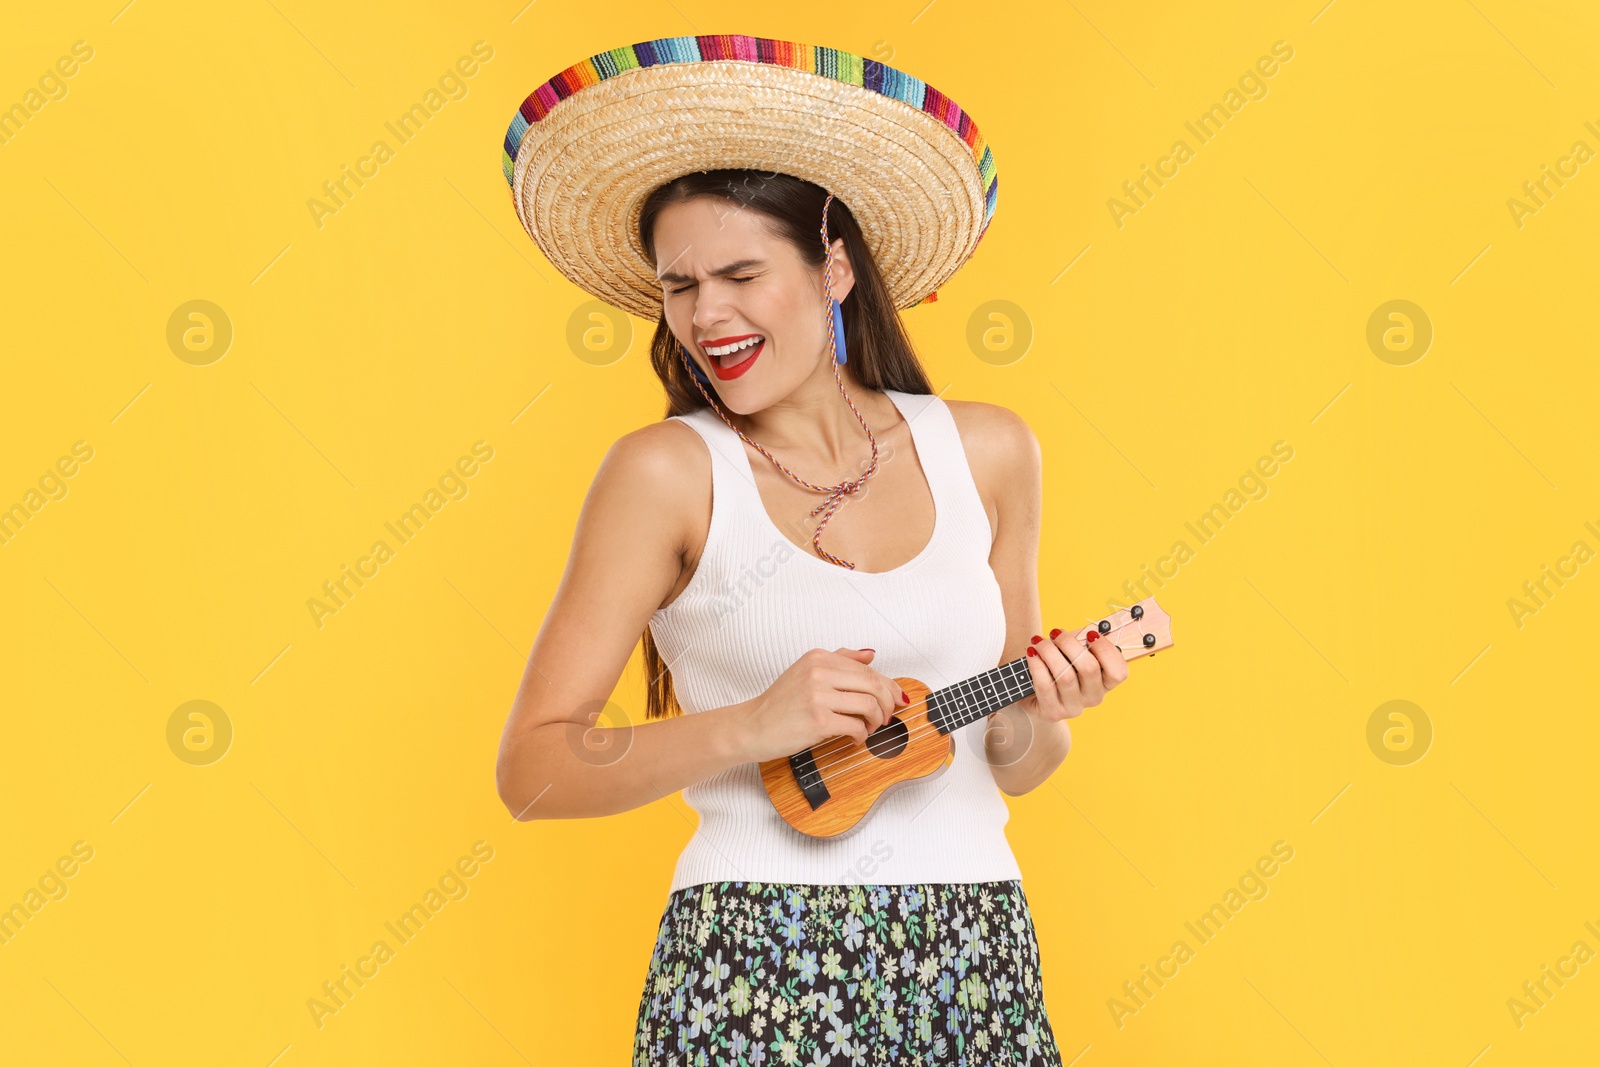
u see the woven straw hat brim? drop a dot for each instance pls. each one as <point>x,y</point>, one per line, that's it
<point>920,182</point>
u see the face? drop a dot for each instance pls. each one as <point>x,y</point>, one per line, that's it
<point>773,297</point>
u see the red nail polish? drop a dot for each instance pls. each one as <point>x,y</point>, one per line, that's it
<point>1055,633</point>
<point>1031,652</point>
<point>904,697</point>
<point>1094,635</point>
<point>1036,639</point>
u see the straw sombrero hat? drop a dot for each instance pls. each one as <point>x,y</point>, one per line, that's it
<point>588,146</point>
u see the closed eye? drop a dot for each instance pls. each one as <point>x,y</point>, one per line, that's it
<point>686,288</point>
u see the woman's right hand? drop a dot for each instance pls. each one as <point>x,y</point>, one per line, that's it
<point>823,694</point>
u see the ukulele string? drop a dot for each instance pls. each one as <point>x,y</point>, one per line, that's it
<point>850,762</point>
<point>839,765</point>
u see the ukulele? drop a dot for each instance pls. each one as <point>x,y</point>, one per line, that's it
<point>830,787</point>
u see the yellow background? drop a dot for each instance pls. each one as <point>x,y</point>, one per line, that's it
<point>371,352</point>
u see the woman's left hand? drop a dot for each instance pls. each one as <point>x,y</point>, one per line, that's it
<point>1070,674</point>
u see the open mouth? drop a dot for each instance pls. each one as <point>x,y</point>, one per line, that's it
<point>729,365</point>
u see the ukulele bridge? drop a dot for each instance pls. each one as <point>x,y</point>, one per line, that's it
<point>808,778</point>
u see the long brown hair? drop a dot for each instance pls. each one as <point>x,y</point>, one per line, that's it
<point>880,351</point>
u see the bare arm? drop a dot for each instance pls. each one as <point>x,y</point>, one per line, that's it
<point>626,556</point>
<point>1025,749</point>
<point>1032,736</point>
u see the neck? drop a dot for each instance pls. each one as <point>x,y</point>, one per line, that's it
<point>814,420</point>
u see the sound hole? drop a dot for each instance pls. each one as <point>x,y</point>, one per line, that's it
<point>888,740</point>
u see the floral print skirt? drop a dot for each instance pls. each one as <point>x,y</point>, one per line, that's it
<point>751,974</point>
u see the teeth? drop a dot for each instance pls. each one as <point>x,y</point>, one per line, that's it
<point>723,350</point>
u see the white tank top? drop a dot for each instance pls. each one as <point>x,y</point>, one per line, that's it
<point>756,602</point>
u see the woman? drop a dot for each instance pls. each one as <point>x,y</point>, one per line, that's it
<point>782,354</point>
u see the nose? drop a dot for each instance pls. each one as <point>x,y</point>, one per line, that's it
<point>710,309</point>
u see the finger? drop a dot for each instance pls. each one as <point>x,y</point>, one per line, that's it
<point>859,678</point>
<point>1053,657</point>
<point>1091,683</point>
<point>1113,663</point>
<point>848,732</point>
<point>865,706</point>
<point>1077,690</point>
<point>855,725</point>
<point>1046,688</point>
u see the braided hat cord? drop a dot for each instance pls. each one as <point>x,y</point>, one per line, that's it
<point>836,493</point>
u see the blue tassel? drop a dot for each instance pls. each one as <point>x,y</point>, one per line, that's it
<point>838,344</point>
<point>838,330</point>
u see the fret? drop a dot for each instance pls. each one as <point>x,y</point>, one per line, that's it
<point>1021,678</point>
<point>942,701</point>
<point>1013,689</point>
<point>825,797</point>
<point>980,696</point>
<point>967,716</point>
<point>991,696</point>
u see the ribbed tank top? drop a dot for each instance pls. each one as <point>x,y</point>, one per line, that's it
<point>757,602</point>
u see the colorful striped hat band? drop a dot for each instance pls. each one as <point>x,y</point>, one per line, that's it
<point>587,147</point>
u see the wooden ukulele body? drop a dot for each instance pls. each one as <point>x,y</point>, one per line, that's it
<point>829,788</point>
<point>856,775</point>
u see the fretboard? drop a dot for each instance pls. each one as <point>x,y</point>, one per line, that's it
<point>980,696</point>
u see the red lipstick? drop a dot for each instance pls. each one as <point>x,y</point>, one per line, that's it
<point>727,373</point>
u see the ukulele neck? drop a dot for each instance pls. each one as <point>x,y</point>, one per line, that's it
<point>980,696</point>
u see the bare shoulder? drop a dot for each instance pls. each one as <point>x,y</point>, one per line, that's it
<point>659,464</point>
<point>996,438</point>
<point>1002,451</point>
<point>659,450</point>
<point>656,481</point>
<point>990,426</point>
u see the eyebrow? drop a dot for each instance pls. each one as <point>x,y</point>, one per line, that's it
<point>731,268</point>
